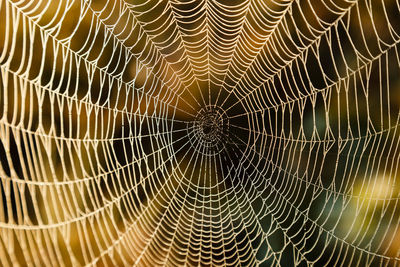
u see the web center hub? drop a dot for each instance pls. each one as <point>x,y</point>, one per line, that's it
<point>209,131</point>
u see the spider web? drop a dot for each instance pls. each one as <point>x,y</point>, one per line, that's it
<point>199,132</point>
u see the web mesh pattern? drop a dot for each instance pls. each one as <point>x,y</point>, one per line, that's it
<point>199,132</point>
